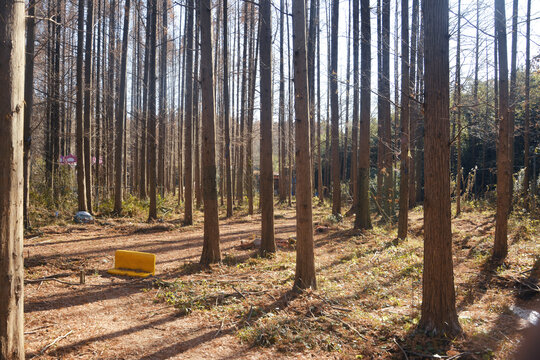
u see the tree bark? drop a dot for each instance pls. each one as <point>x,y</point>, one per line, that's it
<point>12,69</point>
<point>503,160</point>
<point>305,259</point>
<point>526,131</point>
<point>79,130</point>
<point>226,111</point>
<point>151,141</point>
<point>457,106</point>
<point>120,114</point>
<point>405,91</point>
<point>211,252</point>
<point>88,101</point>
<point>29,106</point>
<point>268,244</point>
<point>188,172</point>
<point>336,185</point>
<point>363,220</point>
<point>438,312</point>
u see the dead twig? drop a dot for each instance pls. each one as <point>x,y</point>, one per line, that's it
<point>402,350</point>
<point>349,326</point>
<point>55,341</point>
<point>33,331</point>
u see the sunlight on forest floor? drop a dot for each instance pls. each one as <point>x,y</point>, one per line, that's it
<point>369,296</point>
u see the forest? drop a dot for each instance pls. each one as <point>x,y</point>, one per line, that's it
<point>257,179</point>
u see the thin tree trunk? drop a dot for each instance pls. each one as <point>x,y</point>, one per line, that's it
<point>512,100</point>
<point>526,175</point>
<point>188,195</point>
<point>384,112</point>
<point>363,220</point>
<point>305,259</point>
<point>268,244</point>
<point>29,106</point>
<point>227,108</point>
<point>503,161</point>
<point>81,178</point>
<point>336,185</point>
<point>405,90</point>
<point>88,102</point>
<point>151,142</point>
<point>414,113</point>
<point>120,114</point>
<point>211,252</point>
<point>457,106</point>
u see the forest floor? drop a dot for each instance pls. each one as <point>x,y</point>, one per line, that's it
<point>366,306</point>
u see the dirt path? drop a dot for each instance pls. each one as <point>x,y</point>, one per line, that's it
<point>114,318</point>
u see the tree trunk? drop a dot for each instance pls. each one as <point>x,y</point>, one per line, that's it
<point>88,102</point>
<point>162,101</point>
<point>363,220</point>
<point>305,259</point>
<point>526,175</point>
<point>414,111</point>
<point>356,105</point>
<point>188,195</point>
<point>438,313</point>
<point>11,162</point>
<point>268,244</point>
<point>81,178</point>
<point>151,141</point>
<point>512,100</point>
<point>503,161</point>
<point>210,252</point>
<point>336,185</point>
<point>227,108</point>
<point>29,106</point>
<point>384,112</point>
<point>405,90</point>
<point>457,106</point>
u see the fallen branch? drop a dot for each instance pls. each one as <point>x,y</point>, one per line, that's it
<point>31,281</point>
<point>402,350</point>
<point>349,326</point>
<point>33,331</point>
<point>55,341</point>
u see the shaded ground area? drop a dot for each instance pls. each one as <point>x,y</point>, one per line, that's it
<point>367,304</point>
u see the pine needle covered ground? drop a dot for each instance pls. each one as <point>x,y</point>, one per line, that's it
<point>366,307</point>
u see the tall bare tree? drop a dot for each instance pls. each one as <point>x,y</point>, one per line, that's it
<point>405,92</point>
<point>79,127</point>
<point>526,131</point>
<point>226,106</point>
<point>305,259</point>
<point>438,312</point>
<point>211,252</point>
<point>188,118</point>
<point>363,220</point>
<point>503,153</point>
<point>88,69</point>
<point>268,244</point>
<point>120,114</point>
<point>151,137</point>
<point>336,185</point>
<point>11,163</point>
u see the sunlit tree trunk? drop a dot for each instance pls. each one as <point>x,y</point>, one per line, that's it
<point>151,141</point>
<point>503,161</point>
<point>188,195</point>
<point>79,144</point>
<point>120,114</point>
<point>305,258</point>
<point>404,156</point>
<point>336,185</point>
<point>88,101</point>
<point>363,220</point>
<point>11,162</point>
<point>457,107</point>
<point>211,252</point>
<point>438,312</point>
<point>268,244</point>
<point>526,175</point>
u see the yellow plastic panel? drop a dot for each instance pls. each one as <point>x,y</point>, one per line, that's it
<point>134,263</point>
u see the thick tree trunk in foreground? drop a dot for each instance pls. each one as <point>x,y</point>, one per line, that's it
<point>79,128</point>
<point>11,178</point>
<point>363,220</point>
<point>405,91</point>
<point>268,244</point>
<point>305,259</point>
<point>438,314</point>
<point>210,252</point>
<point>336,185</point>
<point>120,114</point>
<point>503,161</point>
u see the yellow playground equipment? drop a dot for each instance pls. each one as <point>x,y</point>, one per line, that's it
<point>133,263</point>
